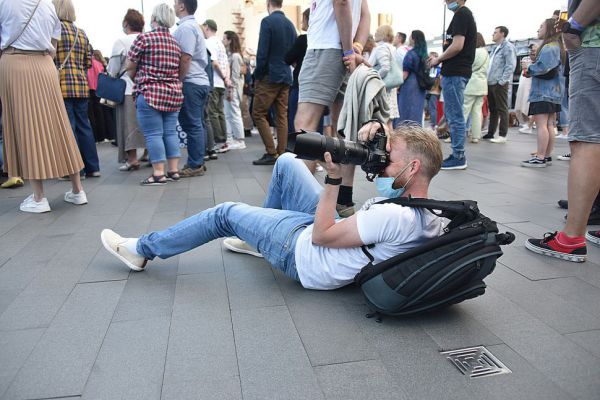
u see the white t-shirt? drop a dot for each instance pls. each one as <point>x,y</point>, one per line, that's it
<point>392,228</point>
<point>43,27</point>
<point>323,30</point>
<point>118,58</point>
<point>218,54</point>
<point>401,53</point>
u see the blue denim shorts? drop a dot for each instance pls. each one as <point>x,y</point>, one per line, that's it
<point>584,95</point>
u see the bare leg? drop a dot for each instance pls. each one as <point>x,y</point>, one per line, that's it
<point>38,189</point>
<point>551,138</point>
<point>76,183</point>
<point>542,122</point>
<point>173,164</point>
<point>132,157</point>
<point>583,185</point>
<point>158,169</point>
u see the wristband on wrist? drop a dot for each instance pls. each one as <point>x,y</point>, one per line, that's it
<point>348,53</point>
<point>576,25</point>
<point>332,181</point>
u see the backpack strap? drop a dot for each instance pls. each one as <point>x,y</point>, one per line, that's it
<point>445,209</point>
<point>365,250</point>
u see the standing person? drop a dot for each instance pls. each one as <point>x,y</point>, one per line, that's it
<point>546,92</point>
<point>581,35</point>
<point>401,47</point>
<point>73,59</point>
<point>195,85</point>
<point>500,75</point>
<point>129,134</point>
<point>100,116</point>
<point>35,116</point>
<point>411,97</point>
<point>337,33</point>
<point>220,66</point>
<point>433,96</point>
<point>153,63</point>
<point>273,79</point>
<point>522,100</point>
<point>457,58</point>
<point>294,57</point>
<point>381,60</point>
<point>477,89</point>
<point>233,102</point>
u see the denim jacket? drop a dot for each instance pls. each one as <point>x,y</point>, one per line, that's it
<point>549,90</point>
<point>502,64</point>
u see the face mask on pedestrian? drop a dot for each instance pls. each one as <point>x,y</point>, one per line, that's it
<point>385,185</point>
<point>453,6</point>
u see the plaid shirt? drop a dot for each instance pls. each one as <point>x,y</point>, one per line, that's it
<point>157,56</point>
<point>73,77</point>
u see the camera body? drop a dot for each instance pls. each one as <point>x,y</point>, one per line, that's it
<point>372,156</point>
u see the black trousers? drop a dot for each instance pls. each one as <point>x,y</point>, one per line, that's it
<point>498,104</point>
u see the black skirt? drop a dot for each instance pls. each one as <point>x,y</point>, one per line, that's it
<point>543,107</point>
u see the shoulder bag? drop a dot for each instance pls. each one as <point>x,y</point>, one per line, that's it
<point>64,63</point>
<point>394,77</point>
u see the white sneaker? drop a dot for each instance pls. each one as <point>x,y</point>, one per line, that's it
<point>237,145</point>
<point>239,246</point>
<point>565,157</point>
<point>562,136</point>
<point>526,129</point>
<point>114,244</point>
<point>76,198</point>
<point>499,139</point>
<point>32,206</point>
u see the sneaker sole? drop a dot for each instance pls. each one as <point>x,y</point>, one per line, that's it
<point>454,168</point>
<point>35,211</point>
<point>77,204</point>
<point>592,239</point>
<point>120,257</point>
<point>236,250</point>
<point>555,254</point>
<point>533,165</point>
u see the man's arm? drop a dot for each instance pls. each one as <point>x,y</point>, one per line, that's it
<point>587,12</point>
<point>326,232</point>
<point>343,19</point>
<point>509,67</point>
<point>364,24</point>
<point>184,65</point>
<point>458,43</point>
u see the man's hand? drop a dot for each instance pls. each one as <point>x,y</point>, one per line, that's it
<point>359,60</point>
<point>228,82</point>
<point>334,170</point>
<point>571,41</point>
<point>351,62</point>
<point>368,131</point>
<point>433,61</point>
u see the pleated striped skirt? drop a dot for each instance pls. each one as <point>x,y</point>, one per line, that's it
<point>38,140</point>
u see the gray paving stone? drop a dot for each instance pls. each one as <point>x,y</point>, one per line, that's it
<point>576,371</point>
<point>15,347</point>
<point>130,363</point>
<point>104,267</point>
<point>576,292</point>
<point>62,360</point>
<point>532,297</point>
<point>7,296</point>
<point>207,258</point>
<point>272,361</point>
<point>142,300</point>
<point>201,359</point>
<point>589,340</point>
<point>359,380</point>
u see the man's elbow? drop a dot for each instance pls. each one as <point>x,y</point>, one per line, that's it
<point>318,239</point>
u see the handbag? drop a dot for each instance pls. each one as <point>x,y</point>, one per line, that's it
<point>425,81</point>
<point>111,89</point>
<point>395,76</point>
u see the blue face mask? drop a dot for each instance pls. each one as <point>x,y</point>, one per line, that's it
<point>385,185</point>
<point>453,6</point>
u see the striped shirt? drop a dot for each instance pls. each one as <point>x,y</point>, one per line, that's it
<point>157,56</point>
<point>73,77</point>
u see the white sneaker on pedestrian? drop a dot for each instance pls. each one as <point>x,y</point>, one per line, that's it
<point>32,206</point>
<point>565,157</point>
<point>499,139</point>
<point>237,145</point>
<point>114,243</point>
<point>562,136</point>
<point>76,198</point>
<point>526,129</point>
<point>239,246</point>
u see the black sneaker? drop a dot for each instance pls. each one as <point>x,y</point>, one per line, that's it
<point>548,160</point>
<point>488,137</point>
<point>266,159</point>
<point>594,237</point>
<point>534,162</point>
<point>563,204</point>
<point>550,246</point>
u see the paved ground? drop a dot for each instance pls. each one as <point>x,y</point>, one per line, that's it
<point>215,325</point>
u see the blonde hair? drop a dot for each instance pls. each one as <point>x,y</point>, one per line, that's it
<point>164,15</point>
<point>421,143</point>
<point>385,33</point>
<point>65,10</point>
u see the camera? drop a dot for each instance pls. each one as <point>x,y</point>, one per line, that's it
<point>371,156</point>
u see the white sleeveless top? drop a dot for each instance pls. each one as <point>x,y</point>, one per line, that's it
<point>323,30</point>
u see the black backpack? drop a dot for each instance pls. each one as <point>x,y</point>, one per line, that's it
<point>442,271</point>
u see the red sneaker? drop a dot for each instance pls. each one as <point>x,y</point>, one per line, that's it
<point>551,246</point>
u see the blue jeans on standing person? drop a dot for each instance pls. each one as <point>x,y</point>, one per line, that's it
<point>454,99</point>
<point>191,119</point>
<point>160,131</point>
<point>273,230</point>
<point>77,110</point>
<point>432,106</point>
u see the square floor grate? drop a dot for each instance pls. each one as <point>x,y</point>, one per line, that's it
<point>476,362</point>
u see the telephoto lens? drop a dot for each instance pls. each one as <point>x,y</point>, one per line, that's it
<point>312,146</point>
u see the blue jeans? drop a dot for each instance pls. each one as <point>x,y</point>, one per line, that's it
<point>273,229</point>
<point>77,110</point>
<point>432,106</point>
<point>159,128</point>
<point>191,119</point>
<point>454,99</point>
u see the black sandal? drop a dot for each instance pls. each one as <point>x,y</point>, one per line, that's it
<point>154,180</point>
<point>173,176</point>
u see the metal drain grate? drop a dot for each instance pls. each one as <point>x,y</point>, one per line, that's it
<point>476,362</point>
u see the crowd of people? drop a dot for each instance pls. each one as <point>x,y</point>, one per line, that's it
<point>217,92</point>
